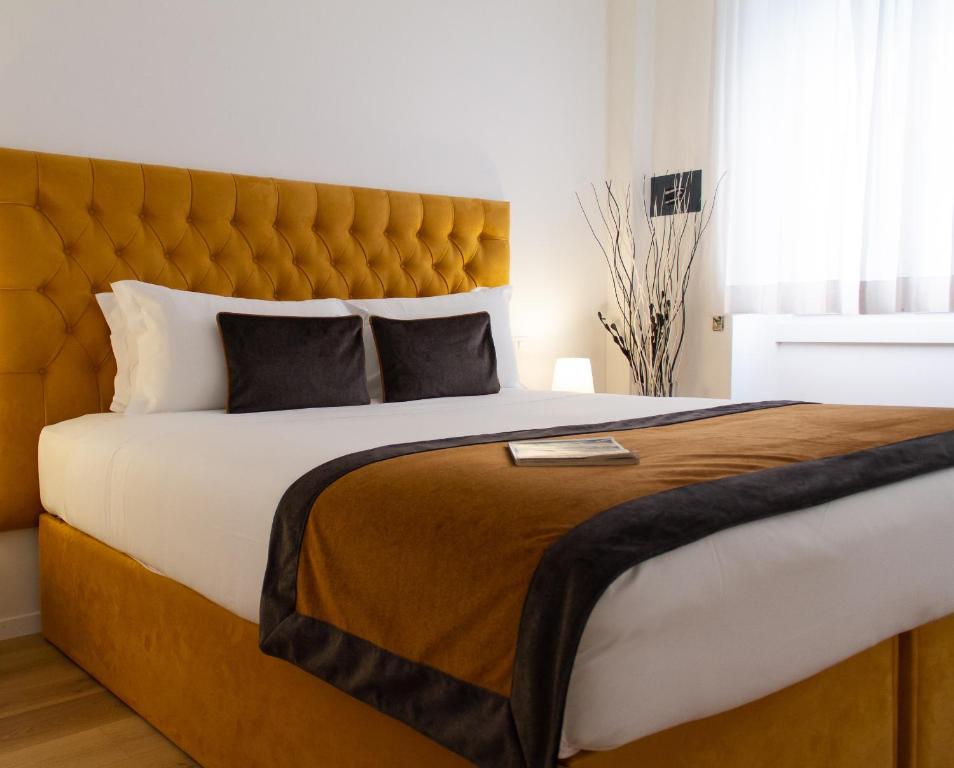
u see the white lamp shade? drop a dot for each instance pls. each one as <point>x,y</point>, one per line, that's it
<point>573,374</point>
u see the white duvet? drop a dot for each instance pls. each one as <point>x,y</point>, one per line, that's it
<point>693,632</point>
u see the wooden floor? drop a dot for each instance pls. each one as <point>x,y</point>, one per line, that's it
<point>53,714</point>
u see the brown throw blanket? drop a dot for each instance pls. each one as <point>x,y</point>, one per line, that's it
<point>448,588</point>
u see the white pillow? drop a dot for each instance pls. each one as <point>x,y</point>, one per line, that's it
<point>494,301</point>
<point>116,320</point>
<point>179,361</point>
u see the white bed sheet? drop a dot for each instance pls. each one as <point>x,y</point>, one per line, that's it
<point>693,632</point>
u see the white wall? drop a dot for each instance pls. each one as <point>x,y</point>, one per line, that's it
<point>495,99</point>
<point>660,116</point>
<point>682,141</point>
<point>19,591</point>
<point>632,59</point>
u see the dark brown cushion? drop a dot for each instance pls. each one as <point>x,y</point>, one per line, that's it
<point>280,363</point>
<point>436,357</point>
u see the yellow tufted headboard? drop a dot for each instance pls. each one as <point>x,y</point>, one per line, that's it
<point>70,226</point>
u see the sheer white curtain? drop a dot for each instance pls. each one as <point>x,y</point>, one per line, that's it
<point>835,126</point>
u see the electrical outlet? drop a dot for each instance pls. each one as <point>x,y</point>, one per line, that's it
<point>718,323</point>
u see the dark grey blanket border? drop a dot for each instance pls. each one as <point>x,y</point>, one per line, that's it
<point>481,725</point>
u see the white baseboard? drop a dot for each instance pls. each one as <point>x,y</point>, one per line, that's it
<point>17,626</point>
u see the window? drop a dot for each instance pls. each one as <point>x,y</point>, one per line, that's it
<point>835,126</point>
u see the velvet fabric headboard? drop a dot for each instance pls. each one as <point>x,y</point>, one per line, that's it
<point>70,226</point>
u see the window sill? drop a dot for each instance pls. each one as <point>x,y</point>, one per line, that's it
<point>865,329</point>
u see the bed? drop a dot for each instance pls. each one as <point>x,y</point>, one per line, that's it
<point>835,650</point>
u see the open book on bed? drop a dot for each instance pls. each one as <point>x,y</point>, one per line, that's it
<point>579,452</point>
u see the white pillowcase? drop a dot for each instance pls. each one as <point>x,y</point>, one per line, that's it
<point>174,351</point>
<point>494,301</point>
<point>116,320</point>
<point>169,353</point>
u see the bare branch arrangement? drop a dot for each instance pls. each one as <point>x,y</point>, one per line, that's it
<point>649,286</point>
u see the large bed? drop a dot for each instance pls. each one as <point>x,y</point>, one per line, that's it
<point>816,637</point>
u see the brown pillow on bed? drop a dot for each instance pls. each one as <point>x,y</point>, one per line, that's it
<point>280,363</point>
<point>436,357</point>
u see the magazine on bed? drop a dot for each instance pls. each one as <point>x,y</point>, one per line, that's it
<point>580,452</point>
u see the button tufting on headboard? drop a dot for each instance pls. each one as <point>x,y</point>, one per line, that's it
<point>69,226</point>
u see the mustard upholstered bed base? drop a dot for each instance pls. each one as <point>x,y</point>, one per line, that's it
<point>926,695</point>
<point>193,670</point>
